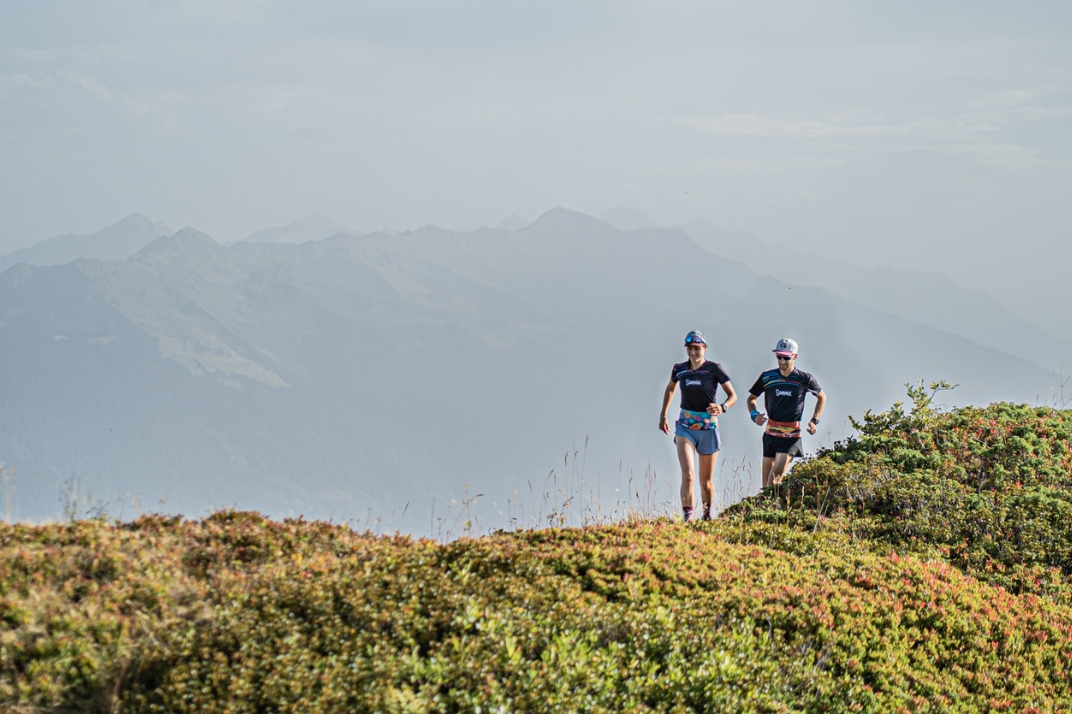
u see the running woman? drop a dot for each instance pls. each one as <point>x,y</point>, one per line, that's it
<point>696,431</point>
<point>783,391</point>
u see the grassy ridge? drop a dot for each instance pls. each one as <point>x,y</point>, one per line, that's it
<point>920,566</point>
<point>238,613</point>
<point>987,489</point>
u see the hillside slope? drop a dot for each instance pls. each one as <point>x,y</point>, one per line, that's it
<point>987,489</point>
<point>240,614</point>
<point>922,565</point>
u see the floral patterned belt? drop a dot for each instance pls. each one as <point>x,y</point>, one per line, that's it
<point>697,420</point>
<point>784,429</point>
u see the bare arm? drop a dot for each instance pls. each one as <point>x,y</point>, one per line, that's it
<point>668,394</point>
<point>751,402</point>
<point>820,404</point>
<point>731,399</point>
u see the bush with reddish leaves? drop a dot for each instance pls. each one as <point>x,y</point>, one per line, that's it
<point>238,613</point>
<point>922,565</point>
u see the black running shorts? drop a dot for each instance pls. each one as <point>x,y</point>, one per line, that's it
<point>780,445</point>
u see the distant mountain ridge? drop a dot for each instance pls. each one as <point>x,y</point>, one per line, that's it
<point>926,296</point>
<point>314,227</point>
<point>116,242</point>
<point>930,298</point>
<point>364,373</point>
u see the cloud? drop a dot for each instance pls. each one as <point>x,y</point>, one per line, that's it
<point>779,163</point>
<point>91,85</point>
<point>27,55</point>
<point>1012,156</point>
<point>986,130</point>
<point>57,85</point>
<point>141,106</point>
<point>18,80</point>
<point>845,127</point>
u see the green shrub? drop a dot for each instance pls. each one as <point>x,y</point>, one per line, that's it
<point>989,489</point>
<point>923,565</point>
<point>238,613</point>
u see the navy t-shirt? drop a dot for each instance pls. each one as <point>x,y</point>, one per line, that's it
<point>698,386</point>
<point>784,396</point>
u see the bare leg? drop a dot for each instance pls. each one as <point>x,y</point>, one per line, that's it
<point>775,469</point>
<point>686,453</point>
<point>779,468</point>
<point>707,477</point>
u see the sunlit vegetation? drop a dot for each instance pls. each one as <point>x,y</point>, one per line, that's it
<point>988,490</point>
<point>921,566</point>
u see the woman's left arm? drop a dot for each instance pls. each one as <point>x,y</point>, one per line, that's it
<point>731,399</point>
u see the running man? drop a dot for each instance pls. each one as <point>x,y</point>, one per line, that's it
<point>696,431</point>
<point>783,391</point>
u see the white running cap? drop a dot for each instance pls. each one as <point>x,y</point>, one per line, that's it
<point>785,346</point>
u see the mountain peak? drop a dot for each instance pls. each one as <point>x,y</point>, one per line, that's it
<point>561,219</point>
<point>629,219</point>
<point>188,241</point>
<point>513,223</point>
<point>314,227</point>
<point>115,242</point>
<point>319,220</point>
<point>134,219</point>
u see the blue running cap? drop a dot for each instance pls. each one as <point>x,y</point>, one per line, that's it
<point>695,337</point>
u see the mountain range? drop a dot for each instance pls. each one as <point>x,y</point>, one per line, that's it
<point>365,376</point>
<point>930,298</point>
<point>116,242</point>
<point>314,227</point>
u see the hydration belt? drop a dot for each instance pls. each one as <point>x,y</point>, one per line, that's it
<point>697,420</point>
<point>784,429</point>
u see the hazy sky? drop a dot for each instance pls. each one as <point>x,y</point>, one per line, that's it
<point>929,134</point>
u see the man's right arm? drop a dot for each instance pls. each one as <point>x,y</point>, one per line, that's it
<point>753,412</point>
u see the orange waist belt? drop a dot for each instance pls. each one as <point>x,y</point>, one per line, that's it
<point>784,429</point>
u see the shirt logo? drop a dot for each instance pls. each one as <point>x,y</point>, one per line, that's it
<point>693,383</point>
<point>782,393</point>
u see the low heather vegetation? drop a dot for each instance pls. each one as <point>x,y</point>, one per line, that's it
<point>988,490</point>
<point>921,566</point>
